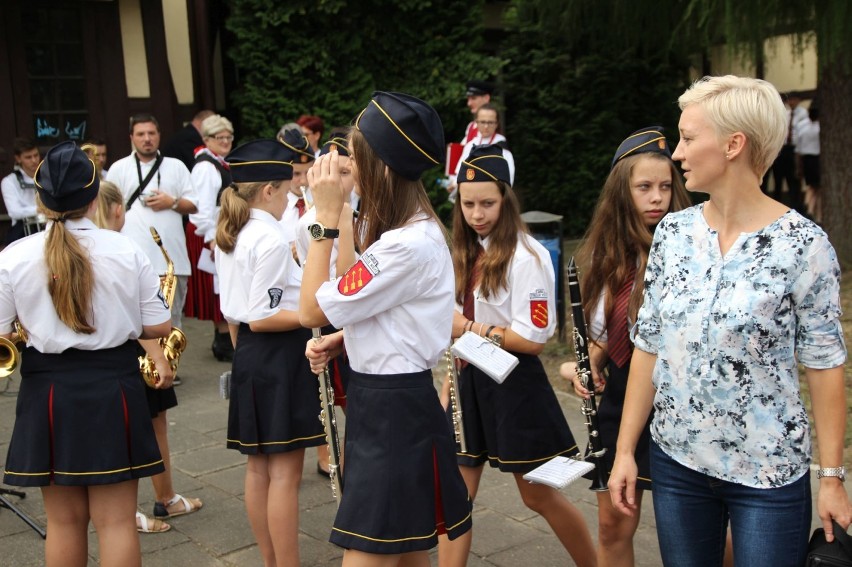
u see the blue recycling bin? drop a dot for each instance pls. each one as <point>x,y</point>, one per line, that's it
<point>547,229</point>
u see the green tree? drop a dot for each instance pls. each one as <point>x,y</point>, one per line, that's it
<point>692,26</point>
<point>571,99</point>
<point>326,57</point>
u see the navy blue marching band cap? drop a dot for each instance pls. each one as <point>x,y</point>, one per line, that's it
<point>296,142</point>
<point>336,143</point>
<point>485,163</point>
<point>260,160</point>
<point>645,140</point>
<point>66,178</point>
<point>479,88</point>
<point>405,132</point>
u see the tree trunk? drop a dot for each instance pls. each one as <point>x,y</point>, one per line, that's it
<point>835,94</point>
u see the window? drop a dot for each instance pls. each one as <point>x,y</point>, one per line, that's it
<point>53,44</point>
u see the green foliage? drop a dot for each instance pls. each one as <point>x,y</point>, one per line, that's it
<point>326,57</point>
<point>568,113</point>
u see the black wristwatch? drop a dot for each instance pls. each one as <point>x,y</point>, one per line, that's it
<point>319,232</point>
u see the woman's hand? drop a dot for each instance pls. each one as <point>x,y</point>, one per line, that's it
<point>165,372</point>
<point>833,504</point>
<point>320,352</point>
<point>326,188</point>
<point>622,484</point>
<point>570,372</point>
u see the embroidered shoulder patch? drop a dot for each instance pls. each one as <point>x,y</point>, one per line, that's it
<point>538,308</point>
<point>274,296</point>
<point>163,299</point>
<point>358,275</point>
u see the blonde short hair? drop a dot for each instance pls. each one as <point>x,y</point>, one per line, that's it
<point>743,104</point>
<point>214,124</point>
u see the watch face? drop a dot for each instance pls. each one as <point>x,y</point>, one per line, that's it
<point>316,231</point>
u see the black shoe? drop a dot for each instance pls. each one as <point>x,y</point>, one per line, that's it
<point>222,348</point>
<point>177,381</point>
<point>321,471</point>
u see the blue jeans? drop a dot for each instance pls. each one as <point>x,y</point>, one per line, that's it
<point>769,526</point>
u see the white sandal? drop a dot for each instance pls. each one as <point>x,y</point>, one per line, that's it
<point>146,525</point>
<point>190,505</point>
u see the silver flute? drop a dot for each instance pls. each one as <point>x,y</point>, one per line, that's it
<point>329,421</point>
<point>455,401</point>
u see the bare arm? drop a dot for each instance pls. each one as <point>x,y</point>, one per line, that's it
<point>324,179</point>
<point>156,331</point>
<point>638,402</point>
<point>828,399</point>
<point>282,321</point>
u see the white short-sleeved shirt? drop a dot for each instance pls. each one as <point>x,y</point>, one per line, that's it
<point>259,278</point>
<point>290,219</point>
<point>528,304</point>
<point>395,304</point>
<point>126,294</point>
<point>728,332</point>
<point>20,201</point>
<point>173,179</point>
<point>207,182</point>
<point>303,241</point>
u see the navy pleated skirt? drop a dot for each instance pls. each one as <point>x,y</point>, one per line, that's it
<point>402,485</point>
<point>81,419</point>
<point>274,404</point>
<point>610,408</point>
<point>515,426</point>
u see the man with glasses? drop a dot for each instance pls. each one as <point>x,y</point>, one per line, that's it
<point>157,191</point>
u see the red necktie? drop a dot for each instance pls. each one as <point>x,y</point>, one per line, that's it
<point>618,345</point>
<point>467,307</point>
<point>300,205</point>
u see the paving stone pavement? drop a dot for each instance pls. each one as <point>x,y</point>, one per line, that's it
<point>506,533</point>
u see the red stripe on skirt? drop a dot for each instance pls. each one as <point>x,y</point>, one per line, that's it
<point>126,421</point>
<point>440,525</point>
<point>50,425</point>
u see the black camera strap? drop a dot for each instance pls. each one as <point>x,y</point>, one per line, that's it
<point>144,182</point>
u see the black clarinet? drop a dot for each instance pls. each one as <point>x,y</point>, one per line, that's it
<point>594,450</point>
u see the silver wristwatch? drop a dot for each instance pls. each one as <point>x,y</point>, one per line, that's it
<point>839,472</point>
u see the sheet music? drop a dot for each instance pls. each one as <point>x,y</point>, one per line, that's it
<point>559,472</point>
<point>485,355</point>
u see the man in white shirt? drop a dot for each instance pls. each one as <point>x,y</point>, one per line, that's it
<point>158,191</point>
<point>18,187</point>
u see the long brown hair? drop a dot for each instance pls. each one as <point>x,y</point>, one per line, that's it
<point>503,240</point>
<point>70,276</point>
<point>236,211</point>
<point>388,200</point>
<point>618,239</point>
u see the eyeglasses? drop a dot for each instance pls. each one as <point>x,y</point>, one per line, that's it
<point>223,138</point>
<point>486,122</point>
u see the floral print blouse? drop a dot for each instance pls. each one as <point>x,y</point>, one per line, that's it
<point>727,331</point>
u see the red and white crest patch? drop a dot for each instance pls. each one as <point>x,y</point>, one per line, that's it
<point>358,275</point>
<point>538,308</point>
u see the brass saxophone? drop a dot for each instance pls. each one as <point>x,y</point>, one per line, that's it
<point>455,401</point>
<point>10,355</point>
<point>595,449</point>
<point>174,344</point>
